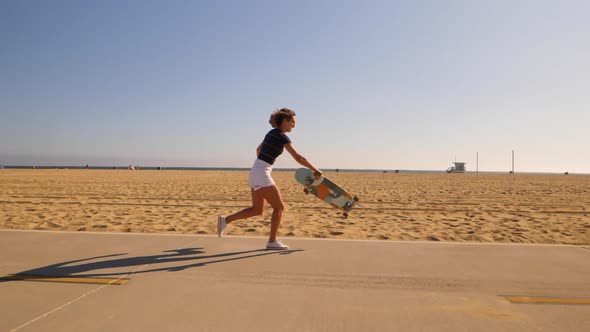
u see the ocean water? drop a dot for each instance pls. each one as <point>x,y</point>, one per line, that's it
<point>153,168</point>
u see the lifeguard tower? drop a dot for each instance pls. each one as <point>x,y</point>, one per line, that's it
<point>459,167</point>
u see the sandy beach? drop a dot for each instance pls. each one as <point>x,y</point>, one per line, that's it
<point>520,208</point>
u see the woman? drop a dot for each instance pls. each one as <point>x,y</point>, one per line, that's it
<point>261,182</point>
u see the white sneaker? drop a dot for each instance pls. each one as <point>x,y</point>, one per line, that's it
<point>221,225</point>
<point>277,245</point>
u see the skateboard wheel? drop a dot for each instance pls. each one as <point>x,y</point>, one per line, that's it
<point>356,199</point>
<point>306,191</point>
<point>345,215</point>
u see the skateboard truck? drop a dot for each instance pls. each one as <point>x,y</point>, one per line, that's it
<point>349,206</point>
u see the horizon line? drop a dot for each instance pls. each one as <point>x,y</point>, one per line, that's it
<point>281,169</point>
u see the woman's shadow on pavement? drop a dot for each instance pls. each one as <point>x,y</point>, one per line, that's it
<point>195,257</point>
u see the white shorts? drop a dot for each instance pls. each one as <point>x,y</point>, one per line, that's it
<point>260,175</point>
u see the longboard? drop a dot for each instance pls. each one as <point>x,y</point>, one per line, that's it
<point>326,190</point>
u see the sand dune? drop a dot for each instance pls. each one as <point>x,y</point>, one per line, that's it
<point>438,207</point>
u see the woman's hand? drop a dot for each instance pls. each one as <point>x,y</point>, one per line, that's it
<point>318,175</point>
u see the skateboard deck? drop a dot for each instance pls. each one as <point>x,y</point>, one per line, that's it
<point>326,190</point>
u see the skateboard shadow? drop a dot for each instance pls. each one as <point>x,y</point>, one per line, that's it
<point>194,257</point>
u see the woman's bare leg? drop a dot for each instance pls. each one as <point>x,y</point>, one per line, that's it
<point>274,198</point>
<point>256,209</point>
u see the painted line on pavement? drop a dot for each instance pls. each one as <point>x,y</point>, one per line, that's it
<point>546,300</point>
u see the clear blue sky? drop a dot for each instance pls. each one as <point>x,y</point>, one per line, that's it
<point>375,84</point>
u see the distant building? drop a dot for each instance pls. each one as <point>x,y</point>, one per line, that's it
<point>459,167</point>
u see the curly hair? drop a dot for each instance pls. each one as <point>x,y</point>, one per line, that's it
<point>277,117</point>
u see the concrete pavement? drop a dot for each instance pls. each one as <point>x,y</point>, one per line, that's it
<point>142,282</point>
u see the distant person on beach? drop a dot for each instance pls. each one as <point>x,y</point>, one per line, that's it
<point>261,183</point>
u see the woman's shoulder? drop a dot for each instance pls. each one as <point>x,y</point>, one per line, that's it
<point>277,131</point>
<point>277,134</point>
